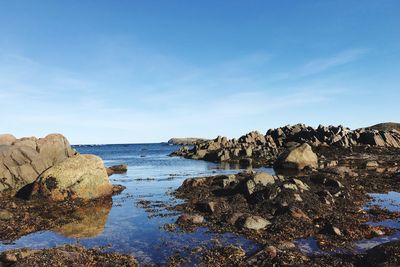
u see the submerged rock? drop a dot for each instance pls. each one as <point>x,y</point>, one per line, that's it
<point>190,219</point>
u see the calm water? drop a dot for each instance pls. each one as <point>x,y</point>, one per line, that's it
<point>126,226</point>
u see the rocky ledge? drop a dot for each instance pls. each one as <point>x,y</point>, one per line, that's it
<point>324,199</point>
<point>69,255</point>
<point>257,149</point>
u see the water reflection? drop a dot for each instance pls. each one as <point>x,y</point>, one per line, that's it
<point>90,221</point>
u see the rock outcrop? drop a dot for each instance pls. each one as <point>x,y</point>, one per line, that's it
<point>77,177</point>
<point>22,160</point>
<point>386,126</point>
<point>7,139</point>
<point>256,148</point>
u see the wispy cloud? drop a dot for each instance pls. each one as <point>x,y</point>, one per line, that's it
<point>320,65</point>
<point>121,96</point>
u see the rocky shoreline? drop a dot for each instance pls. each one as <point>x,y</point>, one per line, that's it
<point>319,190</point>
<point>255,149</point>
<point>69,255</point>
<point>321,186</point>
<point>46,185</point>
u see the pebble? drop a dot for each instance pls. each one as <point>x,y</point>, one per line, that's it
<point>5,215</point>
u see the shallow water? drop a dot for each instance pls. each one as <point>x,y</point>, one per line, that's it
<point>126,226</point>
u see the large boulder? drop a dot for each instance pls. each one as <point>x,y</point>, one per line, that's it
<point>78,177</point>
<point>7,139</point>
<point>297,158</point>
<point>22,160</point>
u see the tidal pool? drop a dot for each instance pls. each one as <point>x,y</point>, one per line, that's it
<point>124,225</point>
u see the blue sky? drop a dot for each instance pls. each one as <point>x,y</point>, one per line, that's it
<point>144,71</point>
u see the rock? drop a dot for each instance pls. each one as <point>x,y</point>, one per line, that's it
<point>26,158</point>
<point>271,251</point>
<point>298,198</point>
<point>228,180</point>
<point>377,232</point>
<point>302,186</point>
<point>371,164</point>
<point>255,223</point>
<point>7,139</point>
<point>209,206</point>
<point>334,183</point>
<point>5,215</point>
<point>117,189</point>
<point>248,152</point>
<point>201,153</point>
<point>194,182</point>
<point>263,178</point>
<point>290,186</point>
<point>262,149</point>
<point>223,155</point>
<point>386,254</point>
<point>249,187</point>
<point>191,219</point>
<point>234,218</point>
<point>123,168</point>
<point>326,197</point>
<point>54,148</point>
<point>299,214</point>
<point>372,138</point>
<point>336,231</point>
<point>298,158</point>
<point>81,176</point>
<point>286,245</point>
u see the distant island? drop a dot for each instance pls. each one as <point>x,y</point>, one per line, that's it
<point>186,141</point>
